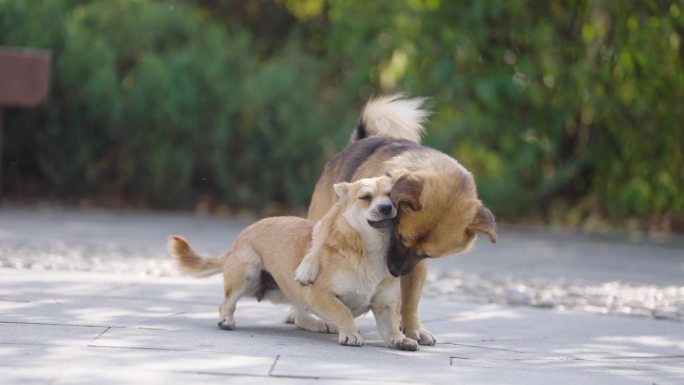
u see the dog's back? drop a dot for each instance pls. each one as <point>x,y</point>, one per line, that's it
<point>282,240</point>
<point>280,243</point>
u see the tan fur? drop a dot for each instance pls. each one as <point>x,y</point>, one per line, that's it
<point>439,213</point>
<point>189,262</point>
<point>353,276</point>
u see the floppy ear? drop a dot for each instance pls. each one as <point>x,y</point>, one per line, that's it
<point>407,190</point>
<point>484,222</point>
<point>341,189</point>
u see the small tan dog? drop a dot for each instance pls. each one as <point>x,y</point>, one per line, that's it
<point>352,240</point>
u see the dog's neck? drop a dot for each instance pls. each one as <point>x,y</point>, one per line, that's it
<point>375,242</point>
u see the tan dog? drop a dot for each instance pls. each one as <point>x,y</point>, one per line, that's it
<point>439,211</point>
<point>351,243</point>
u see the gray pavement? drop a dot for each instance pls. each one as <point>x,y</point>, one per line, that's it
<point>605,275</point>
<point>90,297</point>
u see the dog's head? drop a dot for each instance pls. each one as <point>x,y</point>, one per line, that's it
<point>439,214</point>
<point>367,203</point>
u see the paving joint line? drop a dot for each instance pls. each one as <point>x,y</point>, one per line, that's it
<point>15,300</point>
<point>100,335</point>
<point>484,347</point>
<point>641,357</point>
<point>270,371</point>
<point>147,348</point>
<point>293,376</point>
<point>59,324</point>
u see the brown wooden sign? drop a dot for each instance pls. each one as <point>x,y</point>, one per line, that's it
<point>24,77</point>
<point>24,81</point>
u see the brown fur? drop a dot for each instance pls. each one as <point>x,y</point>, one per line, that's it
<point>439,210</point>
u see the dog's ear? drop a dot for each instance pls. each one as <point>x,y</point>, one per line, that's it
<point>341,189</point>
<point>406,191</point>
<point>484,222</point>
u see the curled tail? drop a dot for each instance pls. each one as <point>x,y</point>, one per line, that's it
<point>190,263</point>
<point>393,116</point>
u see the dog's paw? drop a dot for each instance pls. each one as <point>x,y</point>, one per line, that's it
<point>290,317</point>
<point>422,336</point>
<point>403,343</point>
<point>327,327</point>
<point>306,321</point>
<point>351,339</point>
<point>306,273</point>
<point>227,324</point>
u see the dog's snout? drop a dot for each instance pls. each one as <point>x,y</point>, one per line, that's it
<point>395,271</point>
<point>385,208</point>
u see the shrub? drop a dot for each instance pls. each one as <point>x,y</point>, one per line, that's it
<point>556,107</point>
<point>154,101</point>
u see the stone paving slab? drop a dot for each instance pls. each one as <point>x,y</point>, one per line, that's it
<point>73,328</point>
<point>151,359</point>
<point>55,334</point>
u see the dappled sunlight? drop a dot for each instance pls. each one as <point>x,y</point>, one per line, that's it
<point>488,312</point>
<point>456,336</point>
<point>627,346</point>
<point>614,297</point>
<point>138,359</point>
<point>159,328</point>
<point>659,341</point>
<point>104,315</point>
<point>200,316</point>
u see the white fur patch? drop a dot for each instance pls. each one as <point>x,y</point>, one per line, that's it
<point>394,116</point>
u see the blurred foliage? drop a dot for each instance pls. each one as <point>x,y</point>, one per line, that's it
<point>157,101</point>
<point>569,110</point>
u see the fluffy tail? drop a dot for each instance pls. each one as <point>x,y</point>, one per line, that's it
<point>393,116</point>
<point>191,263</point>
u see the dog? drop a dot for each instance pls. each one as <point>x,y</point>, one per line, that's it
<point>350,241</point>
<point>439,210</point>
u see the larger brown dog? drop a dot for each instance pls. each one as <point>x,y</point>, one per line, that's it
<point>439,211</point>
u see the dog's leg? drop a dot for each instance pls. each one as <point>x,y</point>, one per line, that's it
<point>308,268</point>
<point>332,308</point>
<point>385,309</point>
<point>239,279</point>
<point>227,308</point>
<point>306,321</point>
<point>291,315</point>
<point>411,290</point>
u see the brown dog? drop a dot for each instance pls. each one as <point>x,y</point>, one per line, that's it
<point>439,211</point>
<point>351,243</point>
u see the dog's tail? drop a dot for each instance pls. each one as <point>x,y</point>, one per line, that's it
<point>190,263</point>
<point>393,116</point>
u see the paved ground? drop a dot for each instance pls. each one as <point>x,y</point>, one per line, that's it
<point>90,298</point>
<point>527,267</point>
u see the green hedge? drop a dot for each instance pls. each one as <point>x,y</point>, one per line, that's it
<point>152,100</point>
<point>567,110</point>
<point>557,107</point>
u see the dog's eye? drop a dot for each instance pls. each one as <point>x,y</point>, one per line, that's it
<point>366,197</point>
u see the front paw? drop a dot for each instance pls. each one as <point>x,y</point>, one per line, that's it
<point>403,343</point>
<point>351,339</point>
<point>227,324</point>
<point>290,317</point>
<point>306,273</point>
<point>327,327</point>
<point>421,335</point>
